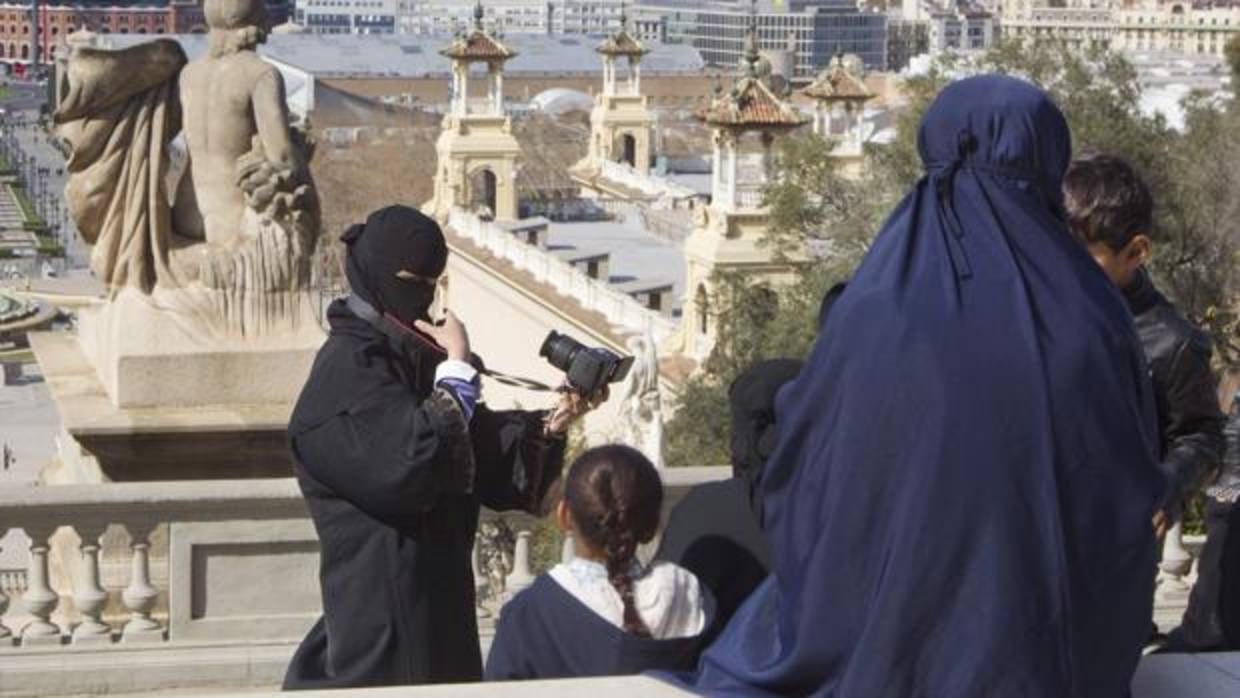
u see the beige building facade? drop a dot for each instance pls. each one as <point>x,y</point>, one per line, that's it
<point>1149,26</point>
<point>621,123</point>
<point>728,234</point>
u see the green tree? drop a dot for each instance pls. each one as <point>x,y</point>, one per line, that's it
<point>810,203</point>
<point>1231,52</point>
<point>1191,173</point>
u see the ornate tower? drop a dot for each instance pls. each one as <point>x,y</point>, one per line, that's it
<point>841,95</point>
<point>476,149</point>
<point>621,122</point>
<point>728,233</point>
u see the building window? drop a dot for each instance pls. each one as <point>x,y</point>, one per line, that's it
<point>702,301</point>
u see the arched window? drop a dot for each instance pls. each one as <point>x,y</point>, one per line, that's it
<point>483,190</point>
<point>701,303</point>
<point>25,51</point>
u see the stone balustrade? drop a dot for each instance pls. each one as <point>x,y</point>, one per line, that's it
<point>1177,572</point>
<point>620,308</point>
<point>242,582</point>
<point>239,585</point>
<point>750,199</point>
<point>661,188</point>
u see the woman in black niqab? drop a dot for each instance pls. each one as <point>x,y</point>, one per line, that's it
<point>715,531</point>
<point>394,463</point>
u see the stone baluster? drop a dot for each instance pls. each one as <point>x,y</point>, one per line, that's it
<point>6,635</point>
<point>40,600</point>
<point>1175,566</point>
<point>568,550</point>
<point>88,595</point>
<point>522,574</point>
<point>139,597</point>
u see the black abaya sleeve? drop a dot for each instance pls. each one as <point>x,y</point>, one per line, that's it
<point>390,455</point>
<point>517,462</point>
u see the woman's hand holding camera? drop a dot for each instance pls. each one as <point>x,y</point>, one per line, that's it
<point>450,334</point>
<point>572,406</point>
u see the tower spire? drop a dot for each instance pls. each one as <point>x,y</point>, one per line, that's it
<point>478,15</point>
<point>752,56</point>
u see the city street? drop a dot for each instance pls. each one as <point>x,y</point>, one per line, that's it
<point>47,185</point>
<point>28,418</point>
<point>40,164</point>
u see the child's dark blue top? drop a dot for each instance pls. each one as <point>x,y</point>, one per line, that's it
<point>545,633</point>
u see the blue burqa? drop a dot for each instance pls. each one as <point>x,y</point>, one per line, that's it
<point>960,501</point>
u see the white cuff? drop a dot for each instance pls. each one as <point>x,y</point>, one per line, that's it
<point>451,368</point>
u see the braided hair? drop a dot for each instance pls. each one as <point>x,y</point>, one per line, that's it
<point>614,496</point>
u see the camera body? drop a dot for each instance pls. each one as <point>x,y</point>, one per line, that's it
<point>587,369</point>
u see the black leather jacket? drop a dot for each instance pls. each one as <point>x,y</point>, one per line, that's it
<point>1189,419</point>
<point>1226,488</point>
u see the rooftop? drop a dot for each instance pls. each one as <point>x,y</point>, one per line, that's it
<point>622,43</point>
<point>408,56</point>
<point>840,80</point>
<point>478,45</point>
<point>751,103</point>
<point>637,257</point>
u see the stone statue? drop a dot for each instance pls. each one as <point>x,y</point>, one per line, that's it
<point>496,541</point>
<point>641,409</point>
<point>226,244</point>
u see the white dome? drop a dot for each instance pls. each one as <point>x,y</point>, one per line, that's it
<point>559,100</point>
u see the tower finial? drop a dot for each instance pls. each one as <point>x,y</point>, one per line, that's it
<point>478,15</point>
<point>752,56</point>
<point>624,16</point>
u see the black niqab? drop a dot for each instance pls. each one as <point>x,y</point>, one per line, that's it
<point>752,399</point>
<point>715,531</point>
<point>395,239</point>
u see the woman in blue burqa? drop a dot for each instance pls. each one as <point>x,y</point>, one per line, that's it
<point>960,501</point>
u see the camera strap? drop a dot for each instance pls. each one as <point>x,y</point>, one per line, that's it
<point>399,333</point>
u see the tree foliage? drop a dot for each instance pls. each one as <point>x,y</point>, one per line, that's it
<point>1192,173</point>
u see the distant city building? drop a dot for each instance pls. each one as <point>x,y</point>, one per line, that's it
<point>906,38</point>
<point>1200,28</point>
<point>443,17</point>
<point>347,16</point>
<point>409,70</point>
<point>970,30</point>
<point>58,19</point>
<point>650,28</point>
<point>819,29</point>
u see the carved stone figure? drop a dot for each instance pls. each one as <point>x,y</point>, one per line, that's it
<point>641,407</point>
<point>230,248</point>
<point>496,541</point>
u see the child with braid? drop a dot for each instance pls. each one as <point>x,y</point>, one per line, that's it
<point>604,613</point>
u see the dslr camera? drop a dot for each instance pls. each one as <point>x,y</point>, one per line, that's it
<point>587,369</point>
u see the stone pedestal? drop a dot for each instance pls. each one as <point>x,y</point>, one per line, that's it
<point>141,398</point>
<point>147,352</point>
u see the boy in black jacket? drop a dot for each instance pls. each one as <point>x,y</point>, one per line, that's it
<point>1111,210</point>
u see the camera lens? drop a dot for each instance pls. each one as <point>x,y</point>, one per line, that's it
<point>559,350</point>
